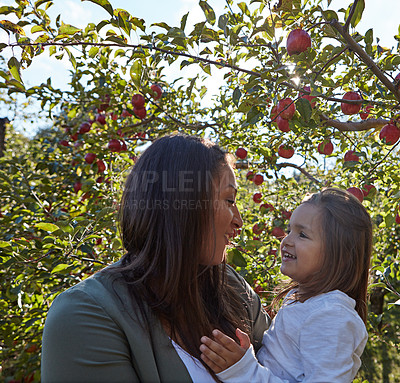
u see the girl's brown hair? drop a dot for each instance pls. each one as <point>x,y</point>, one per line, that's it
<point>166,218</point>
<point>347,246</point>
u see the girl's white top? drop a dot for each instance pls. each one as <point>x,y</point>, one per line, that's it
<point>320,340</point>
<point>197,371</point>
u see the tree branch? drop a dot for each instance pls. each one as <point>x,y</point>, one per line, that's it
<point>300,169</point>
<point>365,58</point>
<point>350,126</point>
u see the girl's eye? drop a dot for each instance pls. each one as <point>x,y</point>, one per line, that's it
<point>230,201</point>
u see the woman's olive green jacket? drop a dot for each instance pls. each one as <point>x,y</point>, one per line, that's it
<point>93,333</point>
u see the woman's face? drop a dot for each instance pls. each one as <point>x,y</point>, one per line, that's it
<point>227,218</point>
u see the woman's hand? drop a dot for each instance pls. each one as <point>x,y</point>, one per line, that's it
<point>223,352</point>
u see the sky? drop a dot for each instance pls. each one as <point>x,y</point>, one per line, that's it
<point>382,16</point>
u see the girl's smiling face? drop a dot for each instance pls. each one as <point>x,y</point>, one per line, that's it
<point>227,218</point>
<point>302,248</point>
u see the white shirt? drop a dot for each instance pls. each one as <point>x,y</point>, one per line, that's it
<point>320,340</point>
<point>197,371</point>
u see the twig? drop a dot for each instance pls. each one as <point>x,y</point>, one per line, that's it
<point>300,169</point>
<point>365,58</point>
<point>350,126</point>
<point>174,53</point>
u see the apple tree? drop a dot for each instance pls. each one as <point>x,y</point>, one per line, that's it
<point>305,101</point>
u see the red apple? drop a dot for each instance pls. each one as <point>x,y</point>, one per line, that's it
<point>366,112</point>
<point>368,189</point>
<point>99,241</point>
<point>357,192</point>
<point>101,118</point>
<point>250,175</point>
<point>311,99</point>
<point>283,124</point>
<point>258,179</point>
<point>278,232</point>
<point>77,186</point>
<point>286,214</point>
<point>397,218</point>
<point>64,143</point>
<point>351,156</point>
<point>101,166</point>
<point>285,151</point>
<point>140,112</point>
<point>157,91</point>
<point>257,229</point>
<point>351,108</point>
<point>241,153</point>
<point>74,137</point>
<point>257,197</point>
<point>84,128</point>
<point>114,145</point>
<point>114,116</point>
<point>138,101</point>
<point>325,147</point>
<point>90,157</point>
<point>390,133</point>
<point>286,108</point>
<point>298,41</point>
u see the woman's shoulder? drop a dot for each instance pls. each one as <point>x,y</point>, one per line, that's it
<point>98,289</point>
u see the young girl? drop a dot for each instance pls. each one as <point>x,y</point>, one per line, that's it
<point>319,332</point>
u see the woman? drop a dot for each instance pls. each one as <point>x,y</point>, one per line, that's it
<point>141,319</point>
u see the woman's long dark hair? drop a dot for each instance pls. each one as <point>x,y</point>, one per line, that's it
<point>166,218</point>
<point>347,246</point>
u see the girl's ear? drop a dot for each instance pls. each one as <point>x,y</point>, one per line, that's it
<point>243,339</point>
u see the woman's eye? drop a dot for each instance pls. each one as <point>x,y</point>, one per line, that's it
<point>302,235</point>
<point>230,201</point>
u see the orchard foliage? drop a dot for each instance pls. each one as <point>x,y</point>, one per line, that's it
<point>59,205</point>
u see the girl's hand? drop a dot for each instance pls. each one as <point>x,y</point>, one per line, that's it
<point>223,352</point>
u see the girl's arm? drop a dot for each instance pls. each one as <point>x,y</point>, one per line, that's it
<point>233,362</point>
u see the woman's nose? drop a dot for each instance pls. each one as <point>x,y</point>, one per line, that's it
<point>237,219</point>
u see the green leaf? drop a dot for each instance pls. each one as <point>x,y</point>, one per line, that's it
<point>162,25</point>
<point>208,11</point>
<point>236,257</point>
<point>223,21</point>
<point>104,4</point>
<point>4,244</point>
<point>190,87</point>
<point>358,13</point>
<point>47,226</point>
<point>369,36</point>
<point>183,21</point>
<point>15,66</point>
<point>60,267</point>
<point>304,108</point>
<point>67,29</point>
<point>136,73</point>
<point>176,33</point>
<point>93,51</point>
<point>40,2</point>
<point>37,28</point>
<point>237,94</point>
